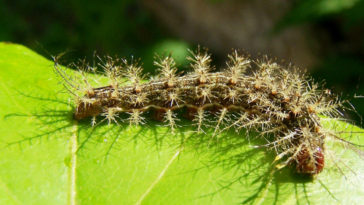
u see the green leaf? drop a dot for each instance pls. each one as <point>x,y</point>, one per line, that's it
<point>48,158</point>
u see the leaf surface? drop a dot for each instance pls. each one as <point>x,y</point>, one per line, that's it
<point>48,158</point>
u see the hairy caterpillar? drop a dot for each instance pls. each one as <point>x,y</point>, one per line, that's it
<point>250,94</point>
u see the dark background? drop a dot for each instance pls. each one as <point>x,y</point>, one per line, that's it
<point>326,37</point>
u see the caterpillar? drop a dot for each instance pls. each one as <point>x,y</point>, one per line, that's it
<point>261,95</point>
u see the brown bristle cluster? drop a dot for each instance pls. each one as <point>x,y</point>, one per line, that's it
<point>248,94</point>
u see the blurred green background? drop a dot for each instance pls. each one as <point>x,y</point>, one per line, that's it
<point>323,36</point>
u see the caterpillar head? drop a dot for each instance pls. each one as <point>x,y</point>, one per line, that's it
<point>310,161</point>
